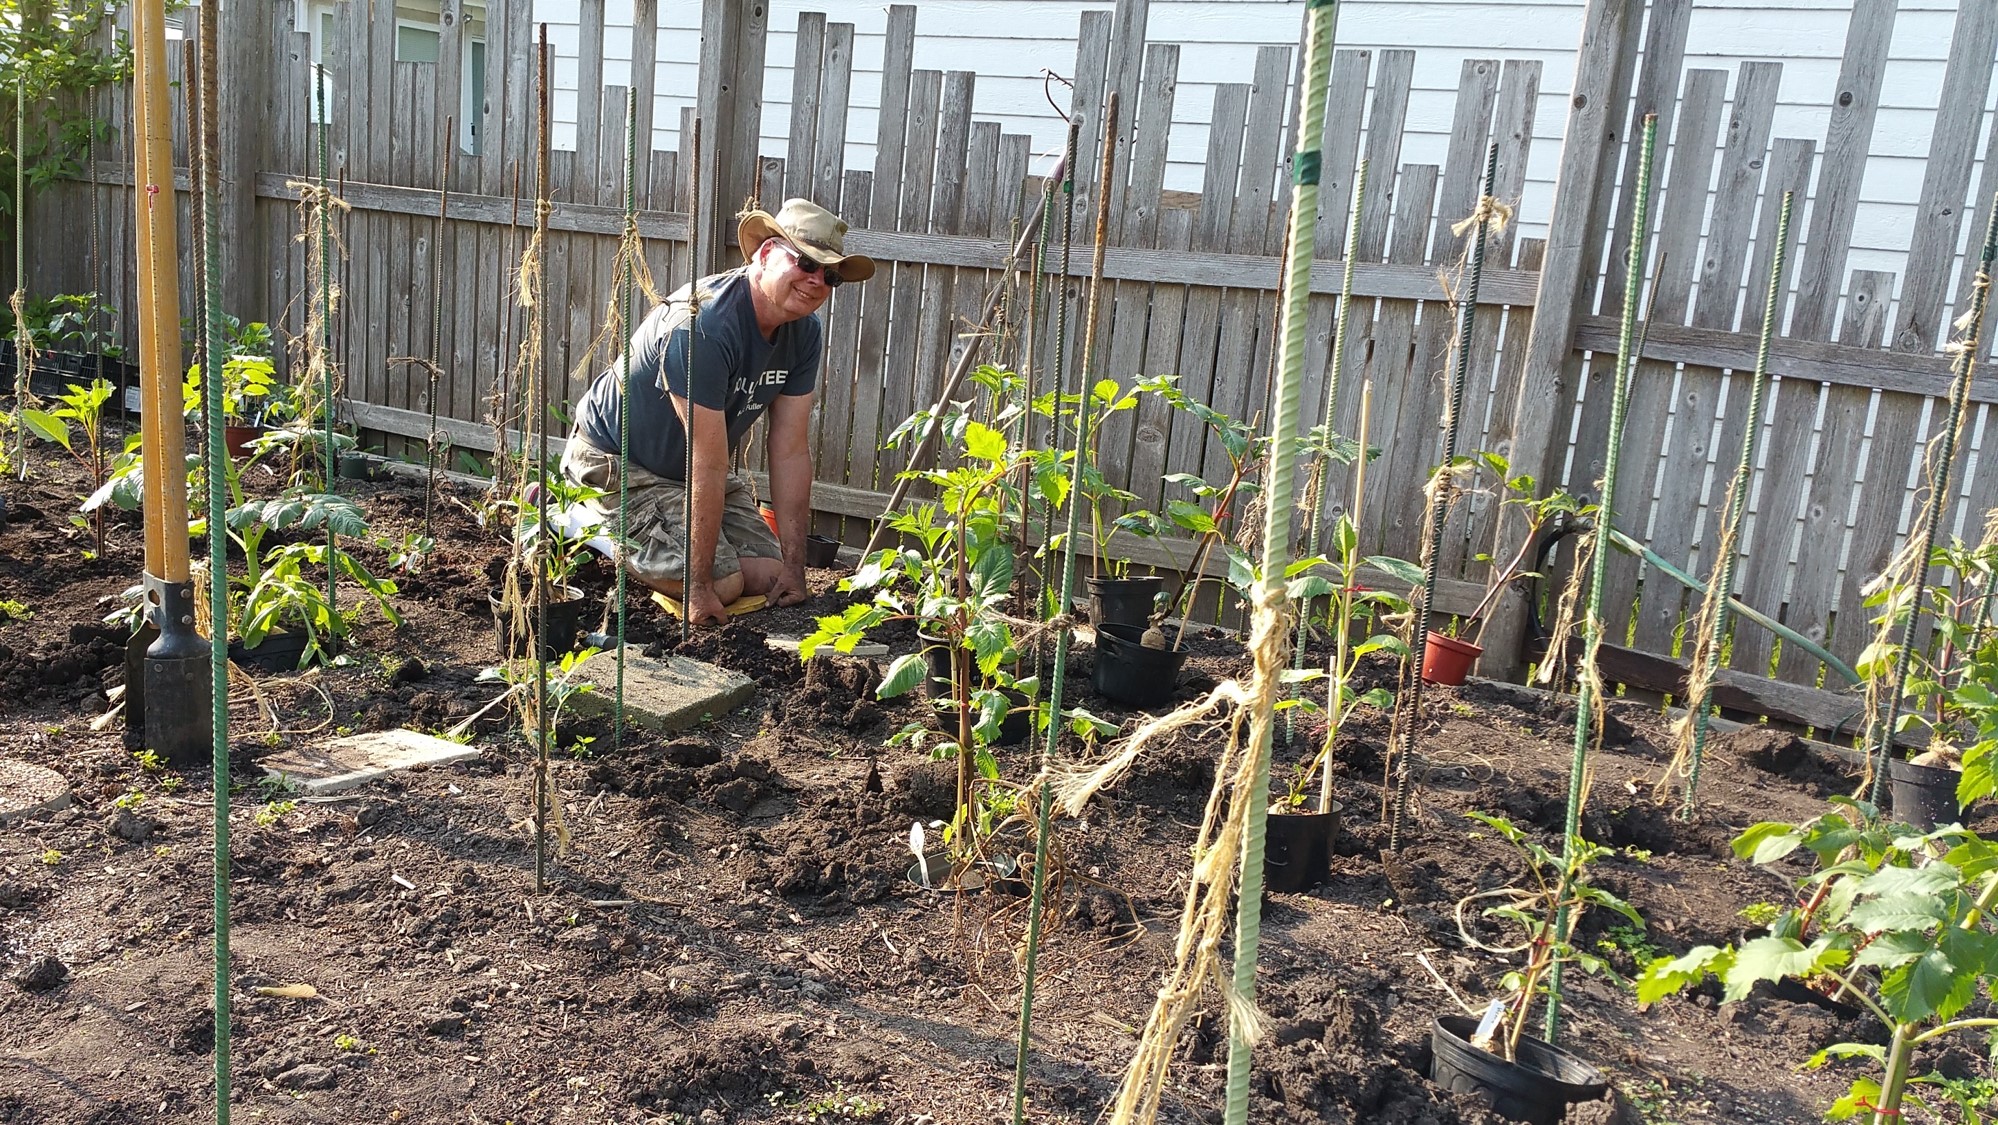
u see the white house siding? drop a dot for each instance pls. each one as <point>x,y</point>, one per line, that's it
<point>1010,42</point>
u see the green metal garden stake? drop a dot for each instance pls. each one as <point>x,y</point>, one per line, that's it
<point>1737,504</point>
<point>540,428</point>
<point>329,459</point>
<point>1966,362</point>
<point>1058,680</point>
<point>624,301</point>
<point>21,351</point>
<point>218,559</point>
<point>1467,312</point>
<point>1288,398</point>
<point>1633,286</point>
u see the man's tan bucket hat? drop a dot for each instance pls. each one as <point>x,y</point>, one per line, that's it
<point>815,231</point>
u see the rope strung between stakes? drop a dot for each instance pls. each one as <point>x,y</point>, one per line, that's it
<point>1715,609</point>
<point>1409,708</point>
<point>1941,463</point>
<point>1271,602</point>
<point>1590,690</point>
<point>1321,460</point>
<point>216,469</point>
<point>1058,681</point>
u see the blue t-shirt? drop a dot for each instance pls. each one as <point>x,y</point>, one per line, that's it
<point>736,371</point>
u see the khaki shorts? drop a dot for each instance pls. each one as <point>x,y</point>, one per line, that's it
<point>655,520</point>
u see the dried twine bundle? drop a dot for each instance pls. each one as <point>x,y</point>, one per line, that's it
<point>1207,912</point>
<point>1705,654</point>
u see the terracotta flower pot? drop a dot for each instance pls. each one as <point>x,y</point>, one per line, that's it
<point>1447,660</point>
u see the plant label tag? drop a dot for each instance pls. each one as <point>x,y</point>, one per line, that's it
<point>1488,1026</point>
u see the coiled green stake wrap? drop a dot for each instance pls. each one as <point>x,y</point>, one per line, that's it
<point>1966,362</point>
<point>218,560</point>
<point>625,269</point>
<point>1058,680</point>
<point>1592,631</point>
<point>1722,591</point>
<point>1321,16</point>
<point>1439,506</point>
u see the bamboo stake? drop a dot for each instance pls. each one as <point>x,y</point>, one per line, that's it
<point>1335,705</point>
<point>1439,504</point>
<point>1320,462</point>
<point>1057,683</point>
<point>1720,595</point>
<point>1589,690</point>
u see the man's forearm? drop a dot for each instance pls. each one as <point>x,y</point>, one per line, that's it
<point>710,498</point>
<point>791,492</point>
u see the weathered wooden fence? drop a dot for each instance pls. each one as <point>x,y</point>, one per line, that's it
<point>1192,279</point>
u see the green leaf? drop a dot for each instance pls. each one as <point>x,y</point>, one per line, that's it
<point>983,443</point>
<point>1899,911</point>
<point>1864,1092</point>
<point>1401,570</point>
<point>1767,842</point>
<point>1915,990</point>
<point>1670,975</point>
<point>1191,516</point>
<point>1893,949</point>
<point>1308,587</point>
<point>1934,879</point>
<point>902,676</point>
<point>1773,958</point>
<point>1872,1051</point>
<point>47,427</point>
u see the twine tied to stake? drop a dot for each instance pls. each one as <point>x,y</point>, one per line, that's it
<point>1489,210</point>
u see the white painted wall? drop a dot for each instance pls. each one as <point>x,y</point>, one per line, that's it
<point>1010,42</point>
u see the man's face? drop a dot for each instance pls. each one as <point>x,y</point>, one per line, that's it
<point>794,293</point>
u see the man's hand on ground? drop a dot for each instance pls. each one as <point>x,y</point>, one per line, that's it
<point>790,588</point>
<point>702,607</point>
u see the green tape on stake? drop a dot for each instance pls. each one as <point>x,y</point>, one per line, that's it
<point>1305,167</point>
<point>1310,4</point>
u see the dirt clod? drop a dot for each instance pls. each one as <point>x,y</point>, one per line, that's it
<point>42,974</point>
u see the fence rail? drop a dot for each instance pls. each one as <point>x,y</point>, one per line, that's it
<point>1191,279</point>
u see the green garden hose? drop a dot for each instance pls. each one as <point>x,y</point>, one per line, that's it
<point>1321,16</point>
<point>1640,231</point>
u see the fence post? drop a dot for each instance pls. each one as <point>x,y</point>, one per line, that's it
<point>733,38</point>
<point>1597,109</point>
<point>244,71</point>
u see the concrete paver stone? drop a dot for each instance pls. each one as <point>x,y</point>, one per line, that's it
<point>666,695</point>
<point>344,763</point>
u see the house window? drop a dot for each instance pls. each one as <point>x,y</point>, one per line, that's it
<point>416,43</point>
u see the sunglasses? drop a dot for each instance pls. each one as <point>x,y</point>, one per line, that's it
<point>810,265</point>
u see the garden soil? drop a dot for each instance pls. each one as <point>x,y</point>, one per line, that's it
<point>730,933</point>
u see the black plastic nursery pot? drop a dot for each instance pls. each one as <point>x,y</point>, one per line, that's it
<point>1128,672</point>
<point>821,552</point>
<point>361,466</point>
<point>1923,796</point>
<point>1019,720</point>
<point>565,621</point>
<point>1538,1088</point>
<point>1297,849</point>
<point>1123,601</point>
<point>279,651</point>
